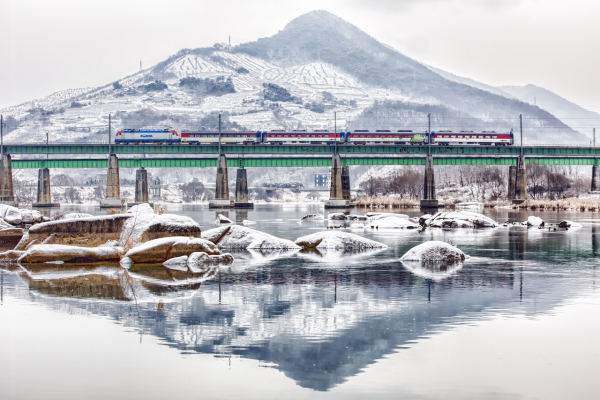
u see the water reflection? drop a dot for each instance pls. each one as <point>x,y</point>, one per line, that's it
<point>321,317</point>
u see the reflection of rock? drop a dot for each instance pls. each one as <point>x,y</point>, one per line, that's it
<point>374,216</point>
<point>332,256</point>
<point>11,256</point>
<point>434,251</point>
<point>436,270</point>
<point>393,222</point>
<point>156,274</point>
<point>98,286</point>
<point>251,258</point>
<point>239,237</point>
<point>337,240</point>
<point>86,232</point>
<point>198,262</point>
<point>160,250</point>
<point>459,219</point>
<point>42,253</point>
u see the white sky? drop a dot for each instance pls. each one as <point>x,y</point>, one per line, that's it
<point>46,46</point>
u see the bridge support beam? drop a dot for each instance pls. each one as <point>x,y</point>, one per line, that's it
<point>429,200</point>
<point>336,192</point>
<point>241,190</point>
<point>7,195</point>
<point>44,195</point>
<point>520,182</point>
<point>113,187</point>
<point>221,199</point>
<point>595,178</point>
<point>512,182</point>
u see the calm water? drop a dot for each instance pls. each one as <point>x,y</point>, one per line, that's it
<point>519,319</point>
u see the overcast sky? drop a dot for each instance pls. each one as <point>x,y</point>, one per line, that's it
<point>50,45</point>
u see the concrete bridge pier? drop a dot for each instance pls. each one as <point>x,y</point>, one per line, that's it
<point>221,199</point>
<point>7,195</point>
<point>429,200</point>
<point>595,178</point>
<point>241,190</point>
<point>44,195</point>
<point>336,192</point>
<point>512,181</point>
<point>520,182</point>
<point>346,183</point>
<point>141,188</point>
<point>113,187</point>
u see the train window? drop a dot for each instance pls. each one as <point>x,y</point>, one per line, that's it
<point>453,136</point>
<point>494,137</point>
<point>319,135</point>
<point>480,137</point>
<point>313,135</point>
<point>487,137</point>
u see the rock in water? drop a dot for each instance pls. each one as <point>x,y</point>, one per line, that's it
<point>312,217</point>
<point>143,208</point>
<point>535,221</point>
<point>31,216</point>
<point>337,216</point>
<point>393,222</point>
<point>9,233</point>
<point>76,216</point>
<point>10,214</point>
<point>43,253</point>
<point>221,219</point>
<point>200,262</point>
<point>239,237</point>
<point>337,241</point>
<point>459,219</point>
<point>10,256</point>
<point>434,251</point>
<point>160,250</point>
<point>177,263</point>
<point>145,226</point>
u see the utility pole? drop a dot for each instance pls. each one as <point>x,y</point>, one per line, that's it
<point>521,128</point>
<point>47,142</point>
<point>1,134</point>
<point>220,135</point>
<point>109,128</point>
<point>594,137</point>
<point>335,130</point>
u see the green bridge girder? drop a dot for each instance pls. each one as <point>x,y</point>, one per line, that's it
<point>321,150</point>
<point>235,161</point>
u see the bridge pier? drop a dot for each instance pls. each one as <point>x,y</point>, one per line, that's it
<point>336,192</point>
<point>44,195</point>
<point>595,178</point>
<point>241,190</point>
<point>429,200</point>
<point>346,183</point>
<point>520,181</point>
<point>221,199</point>
<point>141,188</point>
<point>512,181</point>
<point>7,195</point>
<point>113,187</point>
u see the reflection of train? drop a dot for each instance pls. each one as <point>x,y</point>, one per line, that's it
<point>358,137</point>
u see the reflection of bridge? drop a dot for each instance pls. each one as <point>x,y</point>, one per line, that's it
<point>339,158</point>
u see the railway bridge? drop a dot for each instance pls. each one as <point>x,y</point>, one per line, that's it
<point>339,158</point>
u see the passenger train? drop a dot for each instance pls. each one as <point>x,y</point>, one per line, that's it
<point>316,137</point>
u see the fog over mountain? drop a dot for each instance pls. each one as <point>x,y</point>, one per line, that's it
<point>294,79</point>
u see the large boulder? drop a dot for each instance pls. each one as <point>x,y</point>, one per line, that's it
<point>434,251</point>
<point>10,256</point>
<point>221,219</point>
<point>160,250</point>
<point>43,253</point>
<point>145,225</point>
<point>31,216</point>
<point>9,233</point>
<point>534,221</point>
<point>235,237</point>
<point>460,219</point>
<point>10,214</point>
<point>85,232</point>
<point>337,241</point>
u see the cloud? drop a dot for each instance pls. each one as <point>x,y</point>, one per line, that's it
<point>405,5</point>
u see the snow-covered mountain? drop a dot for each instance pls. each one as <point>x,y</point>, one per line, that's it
<point>295,79</point>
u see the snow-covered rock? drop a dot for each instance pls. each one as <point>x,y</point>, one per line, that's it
<point>77,215</point>
<point>31,216</point>
<point>239,237</point>
<point>10,214</point>
<point>460,219</point>
<point>374,216</point>
<point>312,217</point>
<point>393,222</point>
<point>435,270</point>
<point>9,233</point>
<point>143,208</point>
<point>221,219</point>
<point>10,256</point>
<point>434,251</point>
<point>160,250</point>
<point>43,253</point>
<point>568,224</point>
<point>534,221</point>
<point>337,216</point>
<point>337,240</point>
<point>145,226</point>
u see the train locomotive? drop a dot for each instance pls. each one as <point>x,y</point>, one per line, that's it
<point>316,137</point>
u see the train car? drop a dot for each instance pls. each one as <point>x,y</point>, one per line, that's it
<point>208,137</point>
<point>298,137</point>
<point>127,136</point>
<point>402,137</point>
<point>484,138</point>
